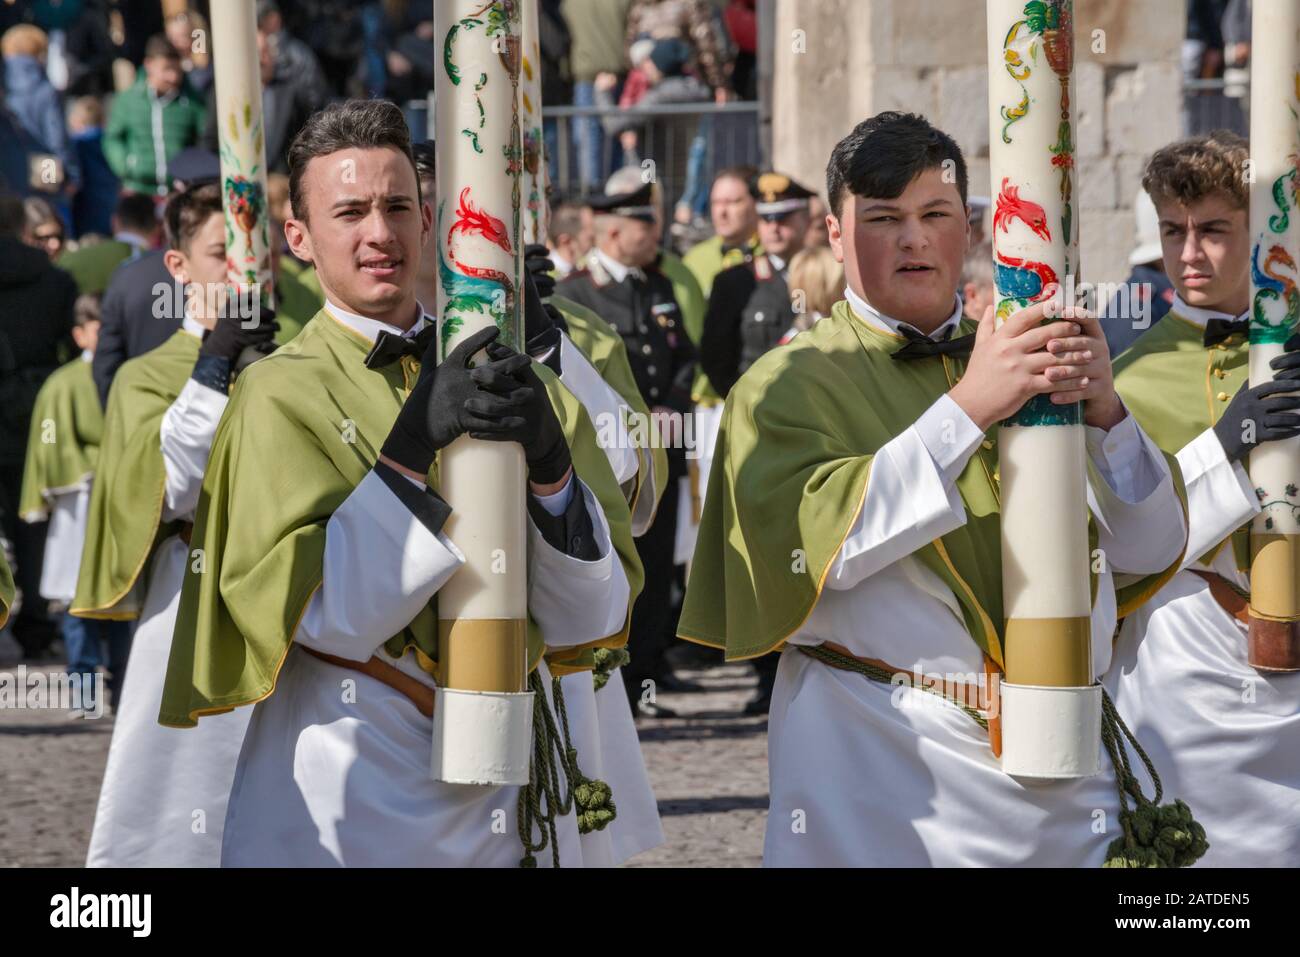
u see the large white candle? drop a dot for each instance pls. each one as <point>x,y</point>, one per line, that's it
<point>243,153</point>
<point>1045,560</point>
<point>1275,311</point>
<point>483,609</point>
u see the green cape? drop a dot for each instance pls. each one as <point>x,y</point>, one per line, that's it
<point>298,297</point>
<point>799,434</point>
<point>6,590</point>
<point>1171,383</point>
<point>603,346</point>
<point>692,278</point>
<point>69,403</point>
<point>303,428</point>
<point>124,524</point>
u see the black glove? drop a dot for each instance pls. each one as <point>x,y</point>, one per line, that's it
<point>1271,407</point>
<point>540,330</point>
<point>450,399</point>
<point>229,338</point>
<point>228,348</point>
<point>532,422</point>
<point>537,260</point>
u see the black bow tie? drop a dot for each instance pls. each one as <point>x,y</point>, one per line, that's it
<point>728,249</point>
<point>921,346</point>
<point>1216,330</point>
<point>390,348</point>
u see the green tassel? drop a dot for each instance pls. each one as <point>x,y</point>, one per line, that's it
<point>1155,834</point>
<point>594,798</point>
<point>607,659</point>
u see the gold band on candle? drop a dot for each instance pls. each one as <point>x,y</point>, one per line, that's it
<point>1275,577</point>
<point>486,654</point>
<point>1049,652</point>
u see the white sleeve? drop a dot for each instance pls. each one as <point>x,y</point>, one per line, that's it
<point>1220,498</point>
<point>647,502</point>
<point>186,434</point>
<point>911,497</point>
<point>1140,522</point>
<point>576,602</point>
<point>382,566</point>
<point>604,406</point>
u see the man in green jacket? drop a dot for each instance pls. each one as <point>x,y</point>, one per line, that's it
<point>151,122</point>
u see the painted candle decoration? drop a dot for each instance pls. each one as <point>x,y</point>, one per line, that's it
<point>243,155</point>
<point>1274,642</point>
<point>536,175</point>
<point>482,725</point>
<point>1045,557</point>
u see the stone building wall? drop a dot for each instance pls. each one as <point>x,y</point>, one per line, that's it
<point>840,61</point>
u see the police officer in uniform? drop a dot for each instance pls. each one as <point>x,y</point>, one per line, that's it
<point>749,308</point>
<point>749,311</point>
<point>621,284</point>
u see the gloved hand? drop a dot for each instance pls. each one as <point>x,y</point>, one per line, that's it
<point>450,399</point>
<point>533,422</point>
<point>1271,407</point>
<point>228,348</point>
<point>229,338</point>
<point>537,260</point>
<point>541,330</point>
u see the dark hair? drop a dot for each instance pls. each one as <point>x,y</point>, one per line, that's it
<point>188,211</point>
<point>426,159</point>
<point>13,217</point>
<point>566,220</point>
<point>885,153</point>
<point>159,45</point>
<point>352,124</point>
<point>1189,170</point>
<point>86,309</point>
<point>135,211</point>
<point>746,174</point>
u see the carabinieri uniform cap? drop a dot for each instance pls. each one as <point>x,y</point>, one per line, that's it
<point>779,196</point>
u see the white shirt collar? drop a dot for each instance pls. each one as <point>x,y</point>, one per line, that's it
<point>131,239</point>
<point>562,266</point>
<point>1197,316</point>
<point>87,355</point>
<point>777,262</point>
<point>617,271</point>
<point>371,328</point>
<point>873,317</point>
<point>193,326</point>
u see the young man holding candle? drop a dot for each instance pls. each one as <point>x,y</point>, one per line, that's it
<point>852,516</point>
<point>323,533</point>
<point>1220,732</point>
<point>163,797</point>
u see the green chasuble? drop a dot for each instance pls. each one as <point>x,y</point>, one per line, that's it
<point>63,444</point>
<point>702,264</point>
<point>303,428</point>
<point>6,590</point>
<point>1177,388</point>
<point>124,524</point>
<point>798,436</point>
<point>92,266</point>
<point>604,348</point>
<point>298,297</point>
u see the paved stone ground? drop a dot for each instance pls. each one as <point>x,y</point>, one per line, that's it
<point>708,768</point>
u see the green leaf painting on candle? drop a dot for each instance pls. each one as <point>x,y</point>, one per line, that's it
<point>472,288</point>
